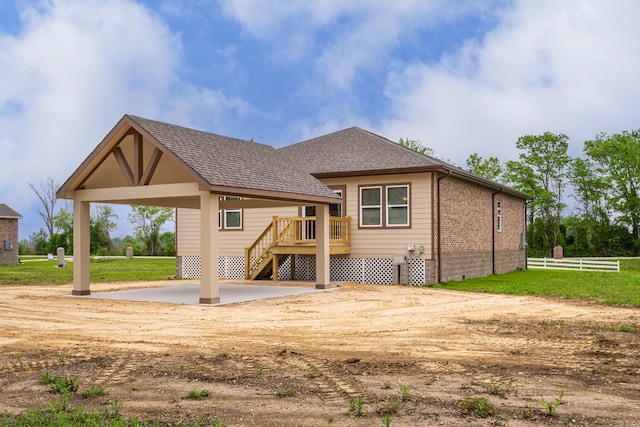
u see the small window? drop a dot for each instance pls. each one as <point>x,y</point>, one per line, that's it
<point>397,205</point>
<point>230,219</point>
<point>499,215</point>
<point>371,206</point>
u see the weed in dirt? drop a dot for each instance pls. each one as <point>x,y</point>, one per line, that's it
<point>258,371</point>
<point>331,419</point>
<point>198,394</point>
<point>93,391</point>
<point>551,408</point>
<point>62,359</point>
<point>311,372</point>
<point>134,387</point>
<point>386,420</point>
<point>60,384</point>
<point>496,390</point>
<point>626,328</point>
<point>404,393</point>
<point>478,406</point>
<point>286,392</point>
<point>356,408</point>
<point>389,406</point>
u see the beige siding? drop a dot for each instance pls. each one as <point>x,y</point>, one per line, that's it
<point>388,242</point>
<point>232,242</point>
<point>365,242</point>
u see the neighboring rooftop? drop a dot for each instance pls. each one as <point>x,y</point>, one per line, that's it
<point>7,212</point>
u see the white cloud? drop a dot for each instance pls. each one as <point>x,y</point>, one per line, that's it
<point>70,72</point>
<point>567,67</point>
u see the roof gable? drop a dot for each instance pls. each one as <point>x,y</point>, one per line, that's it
<point>140,151</point>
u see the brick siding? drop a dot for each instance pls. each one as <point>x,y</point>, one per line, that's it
<point>9,231</point>
<point>467,226</point>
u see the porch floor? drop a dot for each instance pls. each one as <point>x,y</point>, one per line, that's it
<point>231,292</point>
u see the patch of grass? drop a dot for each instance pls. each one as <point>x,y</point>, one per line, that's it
<point>404,393</point>
<point>605,288</point>
<point>286,392</point>
<point>93,391</point>
<point>101,270</point>
<point>478,406</point>
<point>198,395</point>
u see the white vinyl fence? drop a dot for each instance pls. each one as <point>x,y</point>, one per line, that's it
<point>574,264</point>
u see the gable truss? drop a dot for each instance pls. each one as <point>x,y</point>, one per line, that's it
<point>140,175</point>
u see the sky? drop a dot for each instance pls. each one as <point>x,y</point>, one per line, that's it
<point>460,76</point>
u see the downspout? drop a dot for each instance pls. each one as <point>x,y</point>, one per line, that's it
<point>493,231</point>
<point>524,234</point>
<point>439,278</point>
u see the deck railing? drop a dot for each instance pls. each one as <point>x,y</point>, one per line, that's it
<point>292,231</point>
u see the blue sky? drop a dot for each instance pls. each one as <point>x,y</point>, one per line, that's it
<point>461,76</point>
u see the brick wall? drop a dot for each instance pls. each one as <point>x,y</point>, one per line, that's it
<point>468,215</point>
<point>9,231</point>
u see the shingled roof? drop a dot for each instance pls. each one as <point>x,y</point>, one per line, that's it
<point>232,162</point>
<point>354,151</point>
<point>7,212</point>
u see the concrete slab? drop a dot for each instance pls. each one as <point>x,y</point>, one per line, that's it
<point>190,293</point>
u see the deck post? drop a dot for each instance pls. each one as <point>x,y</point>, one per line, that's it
<point>323,266</point>
<point>81,247</point>
<point>209,286</point>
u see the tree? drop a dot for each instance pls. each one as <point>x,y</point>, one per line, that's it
<point>46,193</point>
<point>542,172</point>
<point>63,222</point>
<point>147,222</point>
<point>489,168</point>
<point>616,161</point>
<point>416,145</point>
<point>101,226</point>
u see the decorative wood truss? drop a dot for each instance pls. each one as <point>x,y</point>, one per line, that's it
<point>140,174</point>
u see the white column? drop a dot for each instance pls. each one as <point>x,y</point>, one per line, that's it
<point>81,247</point>
<point>323,265</point>
<point>209,287</point>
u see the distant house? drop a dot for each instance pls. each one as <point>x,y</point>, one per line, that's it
<point>8,235</point>
<point>403,217</point>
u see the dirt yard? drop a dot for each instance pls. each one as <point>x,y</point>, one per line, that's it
<point>423,356</point>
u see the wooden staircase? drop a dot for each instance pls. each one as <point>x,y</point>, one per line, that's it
<point>286,237</point>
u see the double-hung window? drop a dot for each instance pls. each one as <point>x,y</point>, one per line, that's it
<point>230,219</point>
<point>384,206</point>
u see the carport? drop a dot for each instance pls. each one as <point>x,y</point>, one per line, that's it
<point>150,163</point>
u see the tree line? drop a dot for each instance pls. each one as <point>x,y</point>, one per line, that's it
<point>603,185</point>
<point>147,221</point>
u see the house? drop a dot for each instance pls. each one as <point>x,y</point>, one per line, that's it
<point>8,235</point>
<point>402,217</point>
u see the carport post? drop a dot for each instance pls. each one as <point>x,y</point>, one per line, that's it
<point>323,266</point>
<point>209,287</point>
<point>81,243</point>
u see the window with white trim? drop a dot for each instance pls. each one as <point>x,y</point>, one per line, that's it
<point>370,206</point>
<point>385,206</point>
<point>397,205</point>
<point>499,215</point>
<point>230,219</point>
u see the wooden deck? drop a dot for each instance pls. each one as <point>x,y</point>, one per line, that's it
<point>286,237</point>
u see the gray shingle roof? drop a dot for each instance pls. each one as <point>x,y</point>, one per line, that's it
<point>7,212</point>
<point>354,150</point>
<point>226,161</point>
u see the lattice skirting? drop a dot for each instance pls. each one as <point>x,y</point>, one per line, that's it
<point>377,271</point>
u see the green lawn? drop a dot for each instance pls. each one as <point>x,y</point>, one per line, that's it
<point>101,270</point>
<point>608,288</point>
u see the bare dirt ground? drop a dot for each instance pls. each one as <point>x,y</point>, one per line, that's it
<point>328,349</point>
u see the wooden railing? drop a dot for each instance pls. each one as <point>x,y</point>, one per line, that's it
<point>292,231</point>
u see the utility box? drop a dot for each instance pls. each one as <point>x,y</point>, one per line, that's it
<point>400,270</point>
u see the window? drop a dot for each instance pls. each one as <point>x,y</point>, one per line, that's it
<point>230,219</point>
<point>390,210</point>
<point>499,215</point>
<point>397,205</point>
<point>371,206</point>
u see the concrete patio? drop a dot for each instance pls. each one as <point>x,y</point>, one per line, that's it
<point>230,293</point>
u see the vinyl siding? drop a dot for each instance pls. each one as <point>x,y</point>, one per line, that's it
<point>365,243</point>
